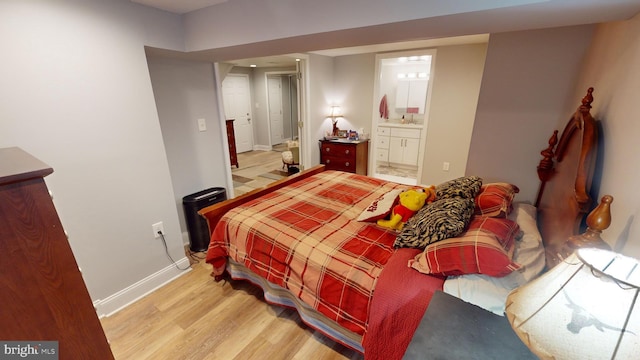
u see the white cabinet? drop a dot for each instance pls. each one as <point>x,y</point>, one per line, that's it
<point>382,144</point>
<point>412,94</point>
<point>404,146</point>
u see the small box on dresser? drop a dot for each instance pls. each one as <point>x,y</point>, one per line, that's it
<point>345,155</point>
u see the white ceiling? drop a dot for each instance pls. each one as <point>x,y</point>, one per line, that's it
<point>543,8</point>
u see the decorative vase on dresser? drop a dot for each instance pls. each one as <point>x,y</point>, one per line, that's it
<point>43,296</point>
<point>345,155</point>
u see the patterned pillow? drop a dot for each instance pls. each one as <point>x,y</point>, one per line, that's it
<point>487,247</point>
<point>463,187</point>
<point>442,219</point>
<point>495,199</point>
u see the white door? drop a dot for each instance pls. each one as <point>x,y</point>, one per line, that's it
<point>237,105</point>
<point>276,121</point>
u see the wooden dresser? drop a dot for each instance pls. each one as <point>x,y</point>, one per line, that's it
<point>345,155</point>
<point>231,139</point>
<point>43,296</point>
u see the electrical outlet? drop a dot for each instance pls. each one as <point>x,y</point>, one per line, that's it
<point>157,227</point>
<point>445,166</point>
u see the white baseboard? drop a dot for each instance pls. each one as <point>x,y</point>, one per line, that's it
<point>129,295</point>
<point>262,147</point>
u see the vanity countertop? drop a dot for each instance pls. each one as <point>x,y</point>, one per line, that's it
<point>400,125</point>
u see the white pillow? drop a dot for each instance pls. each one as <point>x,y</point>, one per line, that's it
<point>490,292</point>
<point>380,207</point>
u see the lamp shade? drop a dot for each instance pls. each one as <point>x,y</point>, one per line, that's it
<point>335,111</point>
<point>586,307</point>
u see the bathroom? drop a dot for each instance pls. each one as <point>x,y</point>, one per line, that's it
<point>399,124</point>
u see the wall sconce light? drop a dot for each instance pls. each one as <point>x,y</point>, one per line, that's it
<point>586,307</point>
<point>336,113</point>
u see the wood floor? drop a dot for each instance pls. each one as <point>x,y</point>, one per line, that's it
<point>193,317</point>
<point>257,169</point>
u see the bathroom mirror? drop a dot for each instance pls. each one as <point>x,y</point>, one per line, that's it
<point>403,83</point>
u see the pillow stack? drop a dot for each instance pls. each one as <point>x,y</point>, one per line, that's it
<point>444,218</point>
<point>465,231</point>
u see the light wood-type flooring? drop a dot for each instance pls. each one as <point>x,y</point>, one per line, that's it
<point>193,317</point>
<point>257,169</point>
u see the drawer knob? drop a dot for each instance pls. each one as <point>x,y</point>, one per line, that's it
<point>346,164</point>
<point>346,151</point>
<point>327,149</point>
<point>328,161</point>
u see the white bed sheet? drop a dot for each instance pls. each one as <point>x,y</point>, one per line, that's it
<point>490,292</point>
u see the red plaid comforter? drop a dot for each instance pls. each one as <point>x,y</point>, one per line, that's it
<point>305,238</point>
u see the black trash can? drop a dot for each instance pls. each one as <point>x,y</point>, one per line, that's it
<point>196,224</point>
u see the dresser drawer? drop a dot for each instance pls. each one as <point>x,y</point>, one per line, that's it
<point>344,151</point>
<point>339,163</point>
<point>384,131</point>
<point>382,142</point>
<point>382,155</point>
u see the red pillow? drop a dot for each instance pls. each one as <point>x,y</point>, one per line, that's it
<point>494,200</point>
<point>486,247</point>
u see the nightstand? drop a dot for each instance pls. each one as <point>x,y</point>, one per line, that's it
<point>345,155</point>
<point>454,329</point>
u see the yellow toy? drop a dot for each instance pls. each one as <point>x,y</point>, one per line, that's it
<point>410,201</point>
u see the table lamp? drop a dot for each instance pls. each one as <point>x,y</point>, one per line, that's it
<point>586,307</point>
<point>335,114</point>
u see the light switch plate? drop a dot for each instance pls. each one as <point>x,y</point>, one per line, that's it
<point>202,125</point>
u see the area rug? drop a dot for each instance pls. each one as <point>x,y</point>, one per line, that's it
<point>275,174</point>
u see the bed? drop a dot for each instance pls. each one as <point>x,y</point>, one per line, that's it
<point>308,243</point>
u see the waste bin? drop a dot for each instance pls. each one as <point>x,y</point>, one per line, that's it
<point>196,224</point>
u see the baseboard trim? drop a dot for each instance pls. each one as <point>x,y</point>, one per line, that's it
<point>118,301</point>
<point>262,147</point>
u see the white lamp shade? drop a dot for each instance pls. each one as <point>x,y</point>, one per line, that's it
<point>335,111</point>
<point>587,307</point>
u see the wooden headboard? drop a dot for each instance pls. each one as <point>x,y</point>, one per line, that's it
<point>565,174</point>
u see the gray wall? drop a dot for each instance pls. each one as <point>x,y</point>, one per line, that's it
<point>185,91</point>
<point>526,90</point>
<point>611,67</point>
<point>76,94</point>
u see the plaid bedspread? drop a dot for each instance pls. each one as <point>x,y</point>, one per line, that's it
<point>305,238</point>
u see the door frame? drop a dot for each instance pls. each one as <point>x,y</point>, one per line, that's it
<point>377,95</point>
<point>302,104</point>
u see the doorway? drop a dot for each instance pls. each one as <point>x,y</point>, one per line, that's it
<point>282,93</point>
<point>402,94</point>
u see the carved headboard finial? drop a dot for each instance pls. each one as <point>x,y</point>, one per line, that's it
<point>598,220</point>
<point>546,164</point>
<point>545,167</point>
<point>587,100</point>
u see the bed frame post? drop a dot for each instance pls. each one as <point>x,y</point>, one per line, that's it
<point>545,168</point>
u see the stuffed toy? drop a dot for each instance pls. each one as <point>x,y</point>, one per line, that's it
<point>410,201</point>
